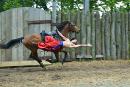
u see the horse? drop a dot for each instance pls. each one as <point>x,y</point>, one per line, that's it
<point>27,40</point>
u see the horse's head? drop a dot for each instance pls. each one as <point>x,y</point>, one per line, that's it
<point>67,26</point>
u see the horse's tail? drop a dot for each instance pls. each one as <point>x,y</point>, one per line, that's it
<point>11,43</point>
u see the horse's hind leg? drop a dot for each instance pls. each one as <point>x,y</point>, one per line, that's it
<point>34,55</point>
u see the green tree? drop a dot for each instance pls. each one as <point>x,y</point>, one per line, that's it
<point>41,4</point>
<point>94,5</point>
<point>111,4</point>
<point>26,3</point>
<point>11,4</point>
<point>70,4</point>
<point>66,5</point>
<point>8,4</point>
<point>1,5</point>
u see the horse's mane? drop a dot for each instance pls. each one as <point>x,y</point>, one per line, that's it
<point>61,25</point>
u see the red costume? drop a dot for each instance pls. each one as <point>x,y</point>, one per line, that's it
<point>50,44</point>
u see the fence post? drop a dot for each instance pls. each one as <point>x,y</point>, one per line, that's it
<point>129,34</point>
<point>83,28</point>
<point>88,34</point>
<point>0,38</point>
<point>107,35</point>
<point>53,18</point>
<point>20,33</point>
<point>53,13</point>
<point>118,35</point>
<point>3,37</point>
<point>98,35</point>
<point>127,40</point>
<point>25,30</point>
<point>83,34</point>
<point>14,33</point>
<point>123,38</point>
<point>102,34</point>
<point>93,35</point>
<point>78,23</point>
<point>113,41</point>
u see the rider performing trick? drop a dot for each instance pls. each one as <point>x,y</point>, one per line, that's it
<point>54,45</point>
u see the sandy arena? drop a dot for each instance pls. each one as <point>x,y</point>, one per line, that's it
<point>72,74</point>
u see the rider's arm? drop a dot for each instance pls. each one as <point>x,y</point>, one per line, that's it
<point>79,45</point>
<point>74,46</point>
<point>64,38</point>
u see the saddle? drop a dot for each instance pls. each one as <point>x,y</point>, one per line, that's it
<point>53,34</point>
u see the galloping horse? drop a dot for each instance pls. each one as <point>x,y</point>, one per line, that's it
<point>28,40</point>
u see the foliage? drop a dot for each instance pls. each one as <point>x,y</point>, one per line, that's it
<point>1,5</point>
<point>67,5</point>
<point>114,5</point>
<point>41,4</point>
<point>8,4</point>
<point>70,4</point>
<point>11,4</point>
<point>100,5</point>
<point>26,3</point>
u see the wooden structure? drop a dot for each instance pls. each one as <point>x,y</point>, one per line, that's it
<point>108,33</point>
<point>18,22</point>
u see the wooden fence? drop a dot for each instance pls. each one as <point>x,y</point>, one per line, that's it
<point>108,33</point>
<point>18,22</point>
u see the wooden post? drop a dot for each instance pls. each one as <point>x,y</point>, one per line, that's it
<point>43,27</point>
<point>53,17</point>
<point>0,37</point>
<point>93,35</point>
<point>14,33</point>
<point>78,22</point>
<point>107,35</point>
<point>98,35</point>
<point>102,34</point>
<point>118,35</point>
<point>113,41</point>
<point>48,29</point>
<point>8,33</point>
<point>53,14</point>
<point>127,41</point>
<point>59,17</point>
<point>26,52</point>
<point>89,55</point>
<point>123,38</point>
<point>86,6</point>
<point>3,37</point>
<point>71,35</point>
<point>83,35</point>
<point>20,32</point>
<point>83,27</point>
<point>129,32</point>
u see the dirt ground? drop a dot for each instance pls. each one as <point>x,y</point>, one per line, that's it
<point>72,74</point>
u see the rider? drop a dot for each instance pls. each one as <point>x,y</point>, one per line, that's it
<point>54,45</point>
